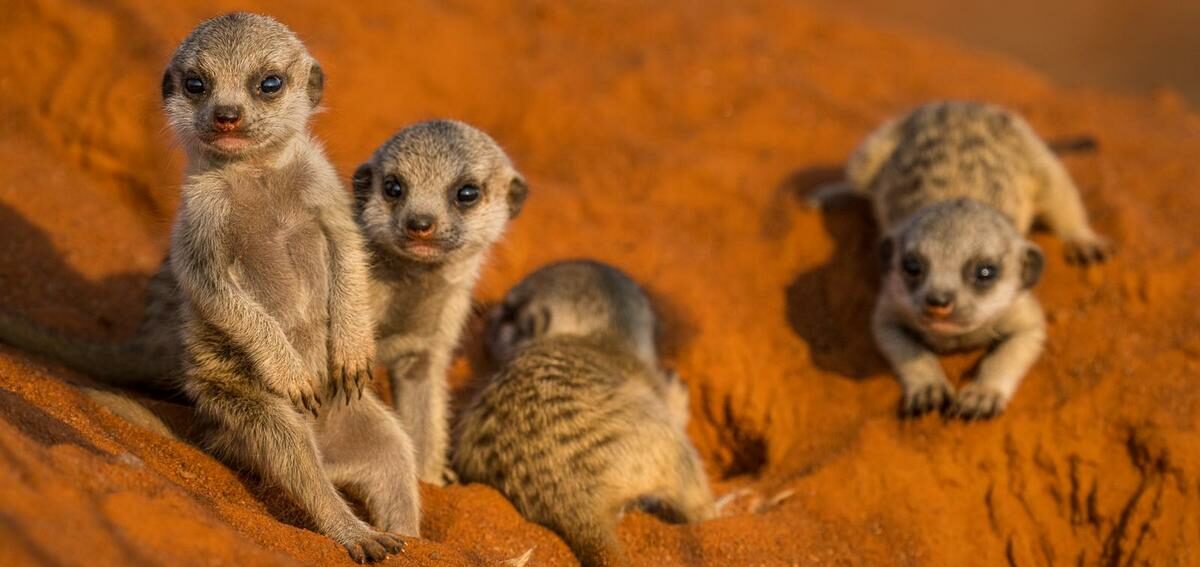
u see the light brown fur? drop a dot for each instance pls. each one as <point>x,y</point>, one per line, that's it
<point>277,337</point>
<point>956,187</point>
<point>421,280</point>
<point>580,422</point>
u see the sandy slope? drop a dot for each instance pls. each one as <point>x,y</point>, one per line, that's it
<point>673,141</point>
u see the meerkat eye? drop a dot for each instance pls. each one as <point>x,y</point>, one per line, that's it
<point>194,85</point>
<point>467,194</point>
<point>271,84</point>
<point>985,273</point>
<point>393,188</point>
<point>913,266</point>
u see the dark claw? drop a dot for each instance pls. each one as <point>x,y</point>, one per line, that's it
<point>375,551</point>
<point>976,405</point>
<point>393,544</point>
<point>925,399</point>
<point>1087,253</point>
<point>356,553</point>
<point>333,389</point>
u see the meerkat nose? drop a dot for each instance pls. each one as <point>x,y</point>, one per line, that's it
<point>939,303</point>
<point>226,118</point>
<point>420,226</point>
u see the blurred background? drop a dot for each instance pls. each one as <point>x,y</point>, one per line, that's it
<point>1124,45</point>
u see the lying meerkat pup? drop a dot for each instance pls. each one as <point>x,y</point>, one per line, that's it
<point>431,202</point>
<point>956,187</point>
<point>277,338</point>
<point>580,422</point>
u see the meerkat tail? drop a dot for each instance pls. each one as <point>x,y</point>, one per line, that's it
<point>1073,145</point>
<point>130,410</point>
<point>591,537</point>
<point>128,364</point>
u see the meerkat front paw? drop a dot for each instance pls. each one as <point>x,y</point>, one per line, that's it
<point>977,401</point>
<point>371,546</point>
<point>925,397</point>
<point>1087,249</point>
<point>350,370</point>
<point>302,391</point>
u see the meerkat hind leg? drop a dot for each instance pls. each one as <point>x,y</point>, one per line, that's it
<point>1060,207</point>
<point>690,496</point>
<point>420,397</point>
<point>269,436</point>
<point>366,451</point>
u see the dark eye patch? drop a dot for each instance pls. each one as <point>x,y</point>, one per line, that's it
<point>465,194</point>
<point>981,273</point>
<point>394,187</point>
<point>266,84</point>
<point>194,84</point>
<point>914,267</point>
<point>271,84</point>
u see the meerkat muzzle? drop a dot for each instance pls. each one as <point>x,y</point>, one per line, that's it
<point>939,312</point>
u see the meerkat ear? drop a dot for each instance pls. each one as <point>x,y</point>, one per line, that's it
<point>887,247</point>
<point>168,84</point>
<point>1032,261</point>
<point>517,192</point>
<point>361,182</point>
<point>316,83</point>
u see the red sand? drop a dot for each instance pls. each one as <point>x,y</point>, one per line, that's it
<point>673,143</point>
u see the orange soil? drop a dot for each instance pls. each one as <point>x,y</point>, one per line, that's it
<point>673,141</point>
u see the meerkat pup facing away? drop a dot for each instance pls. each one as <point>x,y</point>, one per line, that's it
<point>431,201</point>
<point>956,187</point>
<point>580,422</point>
<point>277,337</point>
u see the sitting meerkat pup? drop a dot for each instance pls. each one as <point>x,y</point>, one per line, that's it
<point>956,187</point>
<point>580,422</point>
<point>277,338</point>
<point>431,202</point>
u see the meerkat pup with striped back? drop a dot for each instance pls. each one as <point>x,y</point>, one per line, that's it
<point>956,187</point>
<point>580,422</point>
<point>431,202</point>
<point>277,336</point>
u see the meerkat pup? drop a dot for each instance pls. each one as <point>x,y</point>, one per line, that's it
<point>276,331</point>
<point>580,422</point>
<point>431,202</point>
<point>956,187</point>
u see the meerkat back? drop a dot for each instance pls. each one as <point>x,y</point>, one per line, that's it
<point>577,425</point>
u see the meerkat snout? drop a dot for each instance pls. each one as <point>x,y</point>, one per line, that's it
<point>958,265</point>
<point>437,190</point>
<point>229,96</point>
<point>227,118</point>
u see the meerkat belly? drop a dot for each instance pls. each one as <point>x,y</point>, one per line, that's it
<point>414,308</point>
<point>287,272</point>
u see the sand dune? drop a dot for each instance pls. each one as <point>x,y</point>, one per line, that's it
<point>675,141</point>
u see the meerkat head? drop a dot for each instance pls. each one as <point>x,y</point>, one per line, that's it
<point>437,191</point>
<point>576,298</point>
<point>239,85</point>
<point>956,266</point>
